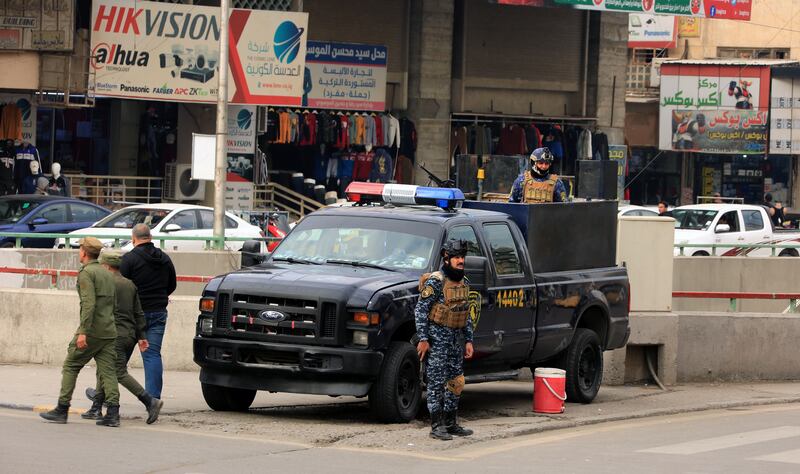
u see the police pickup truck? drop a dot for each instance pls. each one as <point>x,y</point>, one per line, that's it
<point>331,309</point>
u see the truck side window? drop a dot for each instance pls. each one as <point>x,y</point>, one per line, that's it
<point>753,220</point>
<point>731,219</point>
<point>504,250</point>
<point>465,232</point>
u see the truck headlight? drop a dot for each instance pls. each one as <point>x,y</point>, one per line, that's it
<point>206,325</point>
<point>360,338</point>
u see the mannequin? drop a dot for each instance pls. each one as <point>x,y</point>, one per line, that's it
<point>57,185</point>
<point>29,183</point>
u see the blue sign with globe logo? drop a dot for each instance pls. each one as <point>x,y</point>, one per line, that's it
<point>244,118</point>
<point>287,41</point>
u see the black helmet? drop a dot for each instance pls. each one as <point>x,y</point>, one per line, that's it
<point>455,248</point>
<point>542,155</point>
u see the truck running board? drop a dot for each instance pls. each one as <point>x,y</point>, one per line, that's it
<point>511,374</point>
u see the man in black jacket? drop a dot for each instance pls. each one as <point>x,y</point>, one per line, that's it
<point>154,275</point>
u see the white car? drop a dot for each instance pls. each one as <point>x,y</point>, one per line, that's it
<point>178,220</point>
<point>734,224</point>
<point>636,211</point>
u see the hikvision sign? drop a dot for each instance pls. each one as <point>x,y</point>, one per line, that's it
<point>163,51</point>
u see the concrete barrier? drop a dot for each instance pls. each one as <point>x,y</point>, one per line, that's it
<point>37,325</point>
<point>737,274</point>
<point>644,246</point>
<point>206,263</point>
<point>686,347</point>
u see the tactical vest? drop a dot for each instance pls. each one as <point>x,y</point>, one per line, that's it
<point>453,313</point>
<point>538,191</point>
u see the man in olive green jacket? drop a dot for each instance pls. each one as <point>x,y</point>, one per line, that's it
<point>94,338</point>
<point>130,332</point>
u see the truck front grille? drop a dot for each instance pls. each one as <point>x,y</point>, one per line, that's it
<point>277,316</point>
<point>224,311</point>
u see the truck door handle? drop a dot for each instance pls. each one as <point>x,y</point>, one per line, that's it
<point>740,238</point>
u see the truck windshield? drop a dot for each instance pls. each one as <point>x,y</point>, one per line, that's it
<point>395,244</point>
<point>693,219</point>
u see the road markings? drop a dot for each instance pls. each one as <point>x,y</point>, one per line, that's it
<point>790,457</point>
<point>727,441</point>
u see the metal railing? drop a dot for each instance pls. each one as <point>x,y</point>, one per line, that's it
<point>210,242</point>
<point>55,274</point>
<point>109,190</point>
<point>773,247</point>
<point>734,297</point>
<point>275,196</point>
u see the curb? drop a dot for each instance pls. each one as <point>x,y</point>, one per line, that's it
<point>554,421</point>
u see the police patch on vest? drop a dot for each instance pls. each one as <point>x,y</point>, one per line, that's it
<point>427,292</point>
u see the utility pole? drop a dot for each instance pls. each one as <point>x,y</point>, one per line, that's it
<point>221,162</point>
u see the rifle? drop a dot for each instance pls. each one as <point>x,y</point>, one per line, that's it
<point>449,183</point>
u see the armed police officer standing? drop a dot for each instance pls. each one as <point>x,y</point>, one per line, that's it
<point>537,185</point>
<point>444,328</point>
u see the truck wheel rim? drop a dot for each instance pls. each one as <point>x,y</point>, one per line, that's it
<point>406,384</point>
<point>587,368</point>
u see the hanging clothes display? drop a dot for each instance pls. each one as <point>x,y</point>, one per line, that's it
<point>11,122</point>
<point>25,155</point>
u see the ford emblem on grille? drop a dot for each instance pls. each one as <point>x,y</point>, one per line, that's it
<point>271,316</point>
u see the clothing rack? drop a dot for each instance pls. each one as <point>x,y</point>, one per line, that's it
<point>475,117</point>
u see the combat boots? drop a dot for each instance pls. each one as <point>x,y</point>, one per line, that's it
<point>451,422</point>
<point>96,411</point>
<point>153,406</point>
<point>438,428</point>
<point>111,418</point>
<point>57,414</point>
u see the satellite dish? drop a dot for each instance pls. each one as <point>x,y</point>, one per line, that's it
<point>187,185</point>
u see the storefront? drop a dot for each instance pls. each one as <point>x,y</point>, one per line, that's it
<point>716,115</point>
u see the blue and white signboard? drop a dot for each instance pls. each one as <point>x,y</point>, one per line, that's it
<point>345,76</point>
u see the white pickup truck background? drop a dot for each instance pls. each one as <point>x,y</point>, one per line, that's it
<point>729,224</point>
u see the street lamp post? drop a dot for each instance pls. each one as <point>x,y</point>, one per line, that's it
<point>220,162</point>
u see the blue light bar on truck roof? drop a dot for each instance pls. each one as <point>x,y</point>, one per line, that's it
<point>445,198</point>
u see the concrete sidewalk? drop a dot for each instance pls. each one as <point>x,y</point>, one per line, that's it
<point>505,405</point>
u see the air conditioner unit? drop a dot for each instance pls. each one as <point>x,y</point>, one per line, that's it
<point>179,185</point>
<point>655,71</point>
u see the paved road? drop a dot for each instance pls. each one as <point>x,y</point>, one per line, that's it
<point>757,439</point>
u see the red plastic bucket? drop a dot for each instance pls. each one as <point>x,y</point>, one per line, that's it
<point>549,392</point>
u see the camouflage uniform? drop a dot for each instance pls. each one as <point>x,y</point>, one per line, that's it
<point>445,359</point>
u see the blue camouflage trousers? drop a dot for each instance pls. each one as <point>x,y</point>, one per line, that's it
<point>444,368</point>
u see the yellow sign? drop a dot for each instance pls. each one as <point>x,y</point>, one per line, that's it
<point>511,298</point>
<point>688,27</point>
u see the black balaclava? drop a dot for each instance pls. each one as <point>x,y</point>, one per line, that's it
<point>454,274</point>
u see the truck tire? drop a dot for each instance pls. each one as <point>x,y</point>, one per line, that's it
<point>583,361</point>
<point>395,396</point>
<point>788,253</point>
<point>221,398</point>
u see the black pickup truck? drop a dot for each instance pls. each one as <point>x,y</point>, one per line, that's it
<point>331,310</point>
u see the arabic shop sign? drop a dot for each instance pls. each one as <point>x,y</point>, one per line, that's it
<point>163,51</point>
<point>37,25</point>
<point>345,76</point>
<point>723,9</point>
<point>714,109</point>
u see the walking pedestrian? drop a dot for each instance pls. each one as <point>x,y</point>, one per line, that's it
<point>94,338</point>
<point>153,273</point>
<point>444,328</point>
<point>131,332</point>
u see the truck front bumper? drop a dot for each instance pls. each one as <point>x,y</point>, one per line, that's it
<point>286,367</point>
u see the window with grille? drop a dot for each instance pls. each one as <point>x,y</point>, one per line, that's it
<point>640,63</point>
<point>753,53</point>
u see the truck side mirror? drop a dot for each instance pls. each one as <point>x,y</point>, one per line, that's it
<point>722,228</point>
<point>475,268</point>
<point>251,253</point>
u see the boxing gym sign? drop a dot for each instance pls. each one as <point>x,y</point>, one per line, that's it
<point>714,108</point>
<point>164,51</point>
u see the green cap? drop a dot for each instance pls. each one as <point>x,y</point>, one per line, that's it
<point>111,258</point>
<point>91,243</point>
